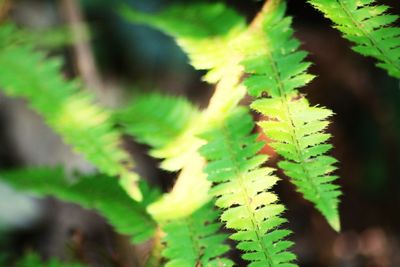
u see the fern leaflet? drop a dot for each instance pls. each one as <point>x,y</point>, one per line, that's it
<point>368,26</point>
<point>70,112</point>
<point>242,187</point>
<point>156,119</point>
<point>194,241</point>
<point>98,192</point>
<point>295,127</point>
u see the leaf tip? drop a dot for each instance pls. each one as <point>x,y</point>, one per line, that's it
<point>130,185</point>
<point>334,222</point>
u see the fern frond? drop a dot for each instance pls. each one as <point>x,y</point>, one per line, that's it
<point>169,124</point>
<point>195,241</point>
<point>296,128</point>
<point>215,52</point>
<point>369,27</point>
<point>155,119</point>
<point>70,112</point>
<point>195,20</point>
<point>208,33</point>
<point>98,192</point>
<point>242,188</point>
<point>203,30</point>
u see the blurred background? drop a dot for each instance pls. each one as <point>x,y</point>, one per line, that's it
<point>118,59</point>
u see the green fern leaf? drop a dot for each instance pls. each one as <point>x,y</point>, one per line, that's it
<point>242,187</point>
<point>156,119</point>
<point>209,33</point>
<point>214,51</point>
<point>296,128</point>
<point>98,192</point>
<point>203,30</point>
<point>195,241</point>
<point>200,19</point>
<point>69,111</point>
<point>368,26</point>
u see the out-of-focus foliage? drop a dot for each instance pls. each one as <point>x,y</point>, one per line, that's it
<point>65,107</point>
<point>47,38</point>
<point>213,51</point>
<point>156,119</point>
<point>203,30</point>
<point>202,20</point>
<point>31,259</point>
<point>99,192</point>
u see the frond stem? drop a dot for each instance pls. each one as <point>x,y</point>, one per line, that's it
<point>195,241</point>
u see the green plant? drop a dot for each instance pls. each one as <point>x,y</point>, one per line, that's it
<point>98,192</point>
<point>33,260</point>
<point>369,27</point>
<point>216,150</point>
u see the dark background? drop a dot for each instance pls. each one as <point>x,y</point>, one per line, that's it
<point>366,130</point>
